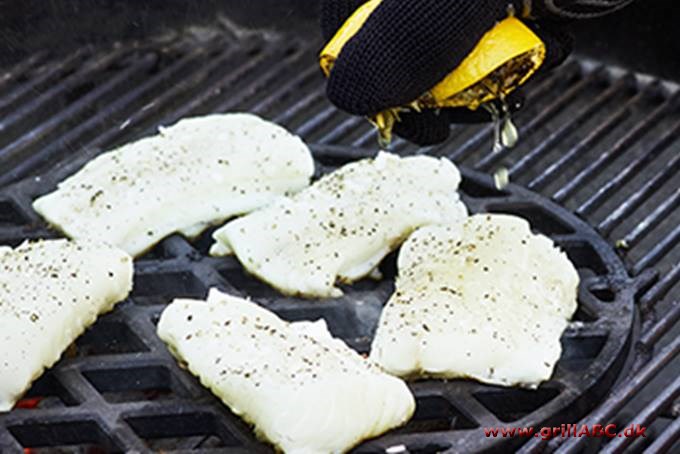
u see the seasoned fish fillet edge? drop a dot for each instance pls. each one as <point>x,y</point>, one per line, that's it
<point>304,391</point>
<point>198,172</point>
<point>341,227</point>
<point>50,292</point>
<point>485,299</point>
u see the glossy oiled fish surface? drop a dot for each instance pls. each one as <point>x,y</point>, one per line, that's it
<point>50,291</point>
<point>303,390</point>
<point>198,172</point>
<point>343,225</point>
<point>485,299</point>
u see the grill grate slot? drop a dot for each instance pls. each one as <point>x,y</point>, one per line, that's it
<point>434,413</point>
<point>10,215</point>
<point>181,431</point>
<point>48,392</point>
<point>511,406</point>
<point>74,435</point>
<point>148,383</point>
<point>109,338</point>
<point>578,353</point>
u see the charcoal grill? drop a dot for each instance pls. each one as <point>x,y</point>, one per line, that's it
<point>596,170</point>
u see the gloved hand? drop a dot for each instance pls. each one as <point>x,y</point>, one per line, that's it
<point>407,46</point>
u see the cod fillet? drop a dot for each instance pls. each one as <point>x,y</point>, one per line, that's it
<point>50,291</point>
<point>486,299</point>
<point>301,389</point>
<point>343,225</point>
<point>198,172</point>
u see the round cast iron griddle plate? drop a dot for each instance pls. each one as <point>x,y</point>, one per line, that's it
<point>124,385</point>
<point>452,414</point>
<point>594,346</point>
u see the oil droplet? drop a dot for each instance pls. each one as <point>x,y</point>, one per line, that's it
<point>501,178</point>
<point>622,244</point>
<point>509,134</point>
<point>384,141</point>
<point>505,134</point>
<point>496,119</point>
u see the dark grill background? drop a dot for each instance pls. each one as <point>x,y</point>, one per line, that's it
<point>600,141</point>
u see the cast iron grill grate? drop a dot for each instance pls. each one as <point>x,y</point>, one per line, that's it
<point>118,389</point>
<point>124,376</point>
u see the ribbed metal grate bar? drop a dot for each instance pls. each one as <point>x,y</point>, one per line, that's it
<point>641,195</point>
<point>291,86</point>
<point>663,287</point>
<point>567,128</point>
<point>102,91</point>
<point>646,417</point>
<point>624,394</point>
<point>51,71</point>
<point>663,326</point>
<point>246,63</point>
<point>538,91</point>
<point>58,90</point>
<point>605,158</point>
<point>632,168</point>
<point>643,228</point>
<point>666,441</point>
<point>658,252</point>
<point>129,98</point>
<point>562,101</point>
<point>569,156</point>
<point>20,69</point>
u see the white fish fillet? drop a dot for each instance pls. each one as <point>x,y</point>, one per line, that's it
<point>303,390</point>
<point>199,172</point>
<point>344,224</point>
<point>485,299</point>
<point>50,291</point>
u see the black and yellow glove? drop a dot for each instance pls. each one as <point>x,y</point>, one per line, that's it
<point>396,57</point>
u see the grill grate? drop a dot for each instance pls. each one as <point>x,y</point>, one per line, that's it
<point>599,141</point>
<point>121,363</point>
